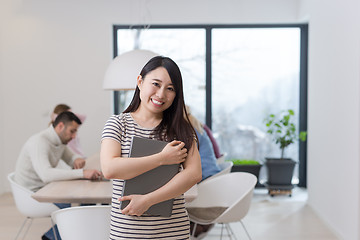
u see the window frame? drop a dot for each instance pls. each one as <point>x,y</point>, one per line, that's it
<point>303,27</point>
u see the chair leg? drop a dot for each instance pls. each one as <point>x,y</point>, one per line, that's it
<point>230,231</point>
<point>194,229</point>
<point>53,228</point>
<point>22,226</point>
<point>222,228</point>
<point>27,229</point>
<point>245,230</point>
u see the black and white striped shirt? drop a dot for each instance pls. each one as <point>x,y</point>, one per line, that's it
<point>122,128</point>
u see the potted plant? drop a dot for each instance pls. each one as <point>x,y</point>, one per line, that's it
<point>247,165</point>
<point>283,131</point>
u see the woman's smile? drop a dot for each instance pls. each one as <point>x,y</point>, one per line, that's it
<point>156,102</point>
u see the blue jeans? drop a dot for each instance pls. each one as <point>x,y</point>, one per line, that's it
<point>50,234</point>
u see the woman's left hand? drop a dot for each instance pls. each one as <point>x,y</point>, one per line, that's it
<point>137,206</point>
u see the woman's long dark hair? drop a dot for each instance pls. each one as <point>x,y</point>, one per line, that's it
<point>175,122</point>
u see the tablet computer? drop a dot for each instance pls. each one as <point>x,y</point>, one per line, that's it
<point>151,180</point>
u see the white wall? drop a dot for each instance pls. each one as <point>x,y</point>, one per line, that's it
<point>333,113</point>
<point>51,52</point>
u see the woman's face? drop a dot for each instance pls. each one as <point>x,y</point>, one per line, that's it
<point>157,92</point>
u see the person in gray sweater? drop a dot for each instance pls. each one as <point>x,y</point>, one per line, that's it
<point>37,161</point>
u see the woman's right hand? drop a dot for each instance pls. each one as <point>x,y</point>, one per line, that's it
<point>174,153</point>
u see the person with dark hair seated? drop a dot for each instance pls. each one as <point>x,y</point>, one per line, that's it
<point>74,144</point>
<point>37,161</point>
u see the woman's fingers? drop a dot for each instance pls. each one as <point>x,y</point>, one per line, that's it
<point>175,152</point>
<point>137,206</point>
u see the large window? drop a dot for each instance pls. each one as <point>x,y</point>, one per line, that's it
<point>234,76</point>
<point>255,71</point>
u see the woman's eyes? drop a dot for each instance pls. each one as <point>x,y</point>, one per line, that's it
<point>156,84</point>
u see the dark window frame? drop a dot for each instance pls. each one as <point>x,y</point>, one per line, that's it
<point>208,105</point>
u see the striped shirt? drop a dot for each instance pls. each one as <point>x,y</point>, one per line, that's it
<point>122,128</point>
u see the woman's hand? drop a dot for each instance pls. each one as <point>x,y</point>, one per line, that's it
<point>137,206</point>
<point>174,153</point>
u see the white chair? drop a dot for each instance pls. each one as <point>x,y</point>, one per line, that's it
<point>221,159</point>
<point>223,200</point>
<point>84,222</point>
<point>28,206</point>
<point>225,168</point>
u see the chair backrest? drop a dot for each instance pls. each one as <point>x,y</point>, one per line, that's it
<point>231,191</point>
<point>28,206</point>
<point>84,222</point>
<point>225,168</point>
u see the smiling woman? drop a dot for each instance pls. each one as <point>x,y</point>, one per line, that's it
<point>156,112</point>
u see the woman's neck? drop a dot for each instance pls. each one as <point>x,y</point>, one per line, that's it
<point>146,119</point>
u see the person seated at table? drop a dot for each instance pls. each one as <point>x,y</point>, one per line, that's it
<point>209,165</point>
<point>215,145</point>
<point>38,158</point>
<point>74,143</point>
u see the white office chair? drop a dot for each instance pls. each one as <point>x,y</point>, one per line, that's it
<point>225,168</point>
<point>223,200</point>
<point>28,206</point>
<point>84,222</point>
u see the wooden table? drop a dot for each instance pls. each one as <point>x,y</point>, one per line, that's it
<point>85,191</point>
<point>75,191</point>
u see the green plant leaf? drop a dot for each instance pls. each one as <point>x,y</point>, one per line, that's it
<point>244,162</point>
<point>282,129</point>
<point>303,136</point>
<point>286,119</point>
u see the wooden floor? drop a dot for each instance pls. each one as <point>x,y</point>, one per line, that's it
<point>269,218</point>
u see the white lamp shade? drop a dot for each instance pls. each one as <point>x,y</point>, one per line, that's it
<point>124,69</point>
